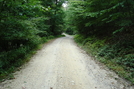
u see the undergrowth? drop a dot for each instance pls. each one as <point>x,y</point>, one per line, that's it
<point>116,56</point>
<point>11,61</point>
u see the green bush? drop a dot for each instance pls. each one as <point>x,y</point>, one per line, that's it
<point>69,31</point>
<point>79,38</point>
<point>24,25</point>
<point>118,56</point>
<point>18,39</point>
<point>44,39</point>
<point>42,26</point>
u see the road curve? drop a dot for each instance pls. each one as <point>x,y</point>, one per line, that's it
<point>62,65</point>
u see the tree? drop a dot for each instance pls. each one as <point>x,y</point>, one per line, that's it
<point>106,27</point>
<point>24,24</point>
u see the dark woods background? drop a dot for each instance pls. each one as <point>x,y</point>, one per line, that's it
<point>106,27</point>
<point>24,24</point>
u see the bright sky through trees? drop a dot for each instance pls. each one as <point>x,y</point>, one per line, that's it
<point>65,4</point>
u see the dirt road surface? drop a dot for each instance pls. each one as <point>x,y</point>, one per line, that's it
<point>62,65</point>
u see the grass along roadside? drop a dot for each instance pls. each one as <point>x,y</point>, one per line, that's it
<point>7,73</point>
<point>108,56</point>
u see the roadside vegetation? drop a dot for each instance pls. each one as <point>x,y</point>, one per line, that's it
<point>105,30</point>
<point>24,25</point>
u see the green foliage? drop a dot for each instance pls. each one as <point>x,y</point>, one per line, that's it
<point>69,31</point>
<point>105,29</point>
<point>99,17</point>
<point>118,57</point>
<point>24,24</point>
<point>79,38</point>
<point>55,15</point>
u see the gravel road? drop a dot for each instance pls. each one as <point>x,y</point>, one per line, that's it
<point>62,65</point>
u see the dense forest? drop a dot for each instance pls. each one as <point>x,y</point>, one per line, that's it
<point>24,24</point>
<point>105,28</point>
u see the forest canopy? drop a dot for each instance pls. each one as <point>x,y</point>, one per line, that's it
<point>24,24</point>
<point>106,27</point>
